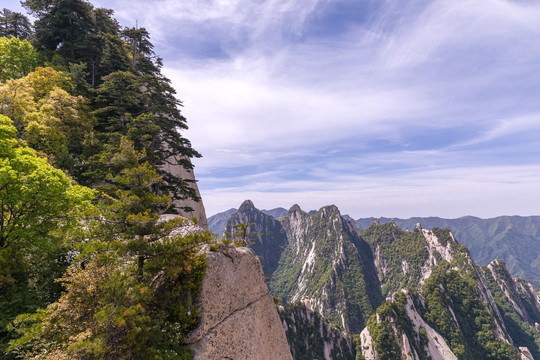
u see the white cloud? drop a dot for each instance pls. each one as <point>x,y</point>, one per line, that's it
<point>527,125</point>
<point>450,193</point>
<point>446,25</point>
<point>276,107</point>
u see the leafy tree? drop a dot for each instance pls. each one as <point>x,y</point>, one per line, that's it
<point>48,118</point>
<point>141,47</point>
<point>17,58</point>
<point>108,312</point>
<point>117,140</point>
<point>132,296</point>
<point>36,199</point>
<point>118,97</point>
<point>37,204</point>
<point>106,54</point>
<point>17,100</point>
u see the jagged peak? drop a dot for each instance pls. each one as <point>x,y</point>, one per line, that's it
<point>329,210</point>
<point>294,208</point>
<point>246,206</point>
<point>497,262</point>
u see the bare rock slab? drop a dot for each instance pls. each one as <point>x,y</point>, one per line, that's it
<point>239,318</point>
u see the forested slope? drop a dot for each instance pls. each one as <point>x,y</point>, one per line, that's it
<point>88,125</point>
<point>514,239</point>
<point>333,281</point>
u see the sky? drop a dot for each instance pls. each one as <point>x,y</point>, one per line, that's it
<point>395,108</point>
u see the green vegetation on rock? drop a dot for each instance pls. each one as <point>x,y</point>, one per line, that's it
<point>454,308</point>
<point>401,255</point>
<point>87,104</point>
<point>507,295</point>
<point>308,334</point>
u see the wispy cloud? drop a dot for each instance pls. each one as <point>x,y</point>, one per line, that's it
<point>398,108</point>
<point>451,193</point>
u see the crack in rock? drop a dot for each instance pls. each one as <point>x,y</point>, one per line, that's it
<point>213,329</point>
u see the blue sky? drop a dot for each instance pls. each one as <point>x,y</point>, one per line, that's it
<point>384,108</point>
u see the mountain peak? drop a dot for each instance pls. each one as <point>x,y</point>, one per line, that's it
<point>294,208</point>
<point>330,210</point>
<point>246,206</point>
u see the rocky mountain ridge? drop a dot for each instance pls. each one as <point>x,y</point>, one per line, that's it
<point>330,271</point>
<point>514,239</point>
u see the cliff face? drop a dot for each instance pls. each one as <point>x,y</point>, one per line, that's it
<point>439,303</point>
<point>514,239</point>
<point>239,319</point>
<point>174,167</point>
<point>272,238</point>
<point>458,310</point>
<point>420,339</point>
<point>329,266</point>
<point>311,336</point>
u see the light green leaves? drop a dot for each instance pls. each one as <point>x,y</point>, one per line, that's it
<point>35,198</point>
<point>17,58</point>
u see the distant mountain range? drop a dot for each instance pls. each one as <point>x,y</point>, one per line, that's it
<point>513,239</point>
<point>383,292</point>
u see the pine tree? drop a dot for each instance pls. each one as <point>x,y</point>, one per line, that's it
<point>14,24</point>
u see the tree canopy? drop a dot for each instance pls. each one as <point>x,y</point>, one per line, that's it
<point>87,121</point>
<point>17,58</point>
<point>35,200</point>
<point>14,24</point>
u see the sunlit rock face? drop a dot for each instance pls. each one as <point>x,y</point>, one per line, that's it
<point>173,166</point>
<point>239,319</point>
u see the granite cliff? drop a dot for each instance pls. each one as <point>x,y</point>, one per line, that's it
<point>175,166</point>
<point>239,319</point>
<point>334,278</point>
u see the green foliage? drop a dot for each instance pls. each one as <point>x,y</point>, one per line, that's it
<point>307,333</point>
<point>284,278</point>
<point>14,24</point>
<point>517,324</point>
<point>401,253</point>
<point>61,25</point>
<point>109,312</point>
<point>38,206</point>
<point>36,199</point>
<point>389,323</point>
<point>241,236</point>
<point>382,333</point>
<point>119,138</point>
<point>127,96</point>
<point>48,118</point>
<point>17,58</point>
<point>471,334</point>
<point>131,293</point>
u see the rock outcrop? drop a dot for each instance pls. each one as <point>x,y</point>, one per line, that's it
<point>311,336</point>
<point>433,343</point>
<point>266,234</point>
<point>329,266</point>
<point>239,318</point>
<point>331,277</point>
<point>174,167</point>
